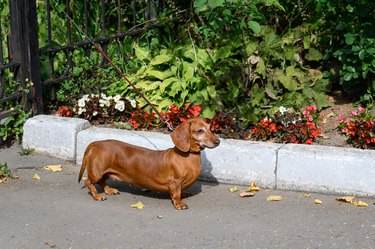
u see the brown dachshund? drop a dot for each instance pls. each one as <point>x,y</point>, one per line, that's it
<point>172,170</point>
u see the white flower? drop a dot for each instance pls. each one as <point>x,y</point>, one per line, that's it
<point>81,110</point>
<point>95,113</point>
<point>283,110</point>
<point>81,103</point>
<point>133,103</point>
<point>120,105</point>
<point>117,98</point>
<point>104,102</point>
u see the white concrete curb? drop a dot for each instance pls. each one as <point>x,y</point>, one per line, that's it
<point>292,167</point>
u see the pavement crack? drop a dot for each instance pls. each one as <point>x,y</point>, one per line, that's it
<point>277,164</point>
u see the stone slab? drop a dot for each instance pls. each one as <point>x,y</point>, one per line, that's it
<point>51,135</point>
<point>326,169</point>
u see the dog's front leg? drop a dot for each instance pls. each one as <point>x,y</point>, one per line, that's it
<point>175,188</point>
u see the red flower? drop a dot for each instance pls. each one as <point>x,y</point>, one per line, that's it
<point>174,109</point>
<point>196,110</point>
<point>273,127</point>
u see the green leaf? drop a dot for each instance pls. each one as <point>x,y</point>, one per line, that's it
<point>313,55</point>
<point>349,38</point>
<point>211,91</point>
<point>208,113</point>
<point>251,47</point>
<point>215,3</point>
<point>306,42</point>
<point>347,76</point>
<point>164,104</point>
<point>188,70</point>
<point>141,53</point>
<point>161,75</point>
<point>222,53</point>
<point>254,26</point>
<point>200,5</point>
<point>362,54</point>
<point>160,59</point>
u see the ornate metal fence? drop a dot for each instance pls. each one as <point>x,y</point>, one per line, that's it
<point>32,40</point>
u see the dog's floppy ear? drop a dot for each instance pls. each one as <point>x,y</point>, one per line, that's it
<point>181,137</point>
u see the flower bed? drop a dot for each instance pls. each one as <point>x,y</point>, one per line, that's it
<point>284,126</point>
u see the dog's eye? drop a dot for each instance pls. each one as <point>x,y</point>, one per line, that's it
<point>200,131</point>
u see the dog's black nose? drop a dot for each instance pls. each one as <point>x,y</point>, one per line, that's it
<point>217,142</point>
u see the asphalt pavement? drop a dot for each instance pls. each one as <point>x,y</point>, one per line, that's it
<point>56,211</point>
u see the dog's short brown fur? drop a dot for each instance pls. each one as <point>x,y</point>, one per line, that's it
<point>171,170</point>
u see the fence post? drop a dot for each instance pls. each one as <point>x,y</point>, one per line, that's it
<point>24,48</point>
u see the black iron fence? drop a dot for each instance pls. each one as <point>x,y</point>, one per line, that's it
<point>31,38</point>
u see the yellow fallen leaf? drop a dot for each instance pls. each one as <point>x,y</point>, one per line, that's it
<point>54,168</point>
<point>3,180</point>
<point>360,204</point>
<point>246,194</point>
<point>36,177</point>
<point>268,190</point>
<point>306,195</point>
<point>253,187</point>
<point>233,189</point>
<point>346,199</point>
<point>138,205</point>
<point>274,198</point>
<point>317,201</point>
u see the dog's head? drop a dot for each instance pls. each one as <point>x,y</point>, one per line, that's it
<point>194,135</point>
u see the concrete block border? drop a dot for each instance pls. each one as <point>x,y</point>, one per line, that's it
<point>309,168</point>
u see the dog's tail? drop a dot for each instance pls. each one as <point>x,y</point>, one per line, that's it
<point>84,163</point>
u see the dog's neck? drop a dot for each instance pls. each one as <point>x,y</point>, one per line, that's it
<point>185,154</point>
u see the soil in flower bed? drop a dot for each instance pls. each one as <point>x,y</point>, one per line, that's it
<point>330,135</point>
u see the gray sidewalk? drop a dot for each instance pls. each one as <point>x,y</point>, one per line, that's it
<point>57,212</point>
<point>308,168</point>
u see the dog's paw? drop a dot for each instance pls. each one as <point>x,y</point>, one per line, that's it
<point>111,191</point>
<point>99,197</point>
<point>180,205</point>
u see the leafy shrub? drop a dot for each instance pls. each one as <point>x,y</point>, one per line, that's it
<point>359,127</point>
<point>12,127</point>
<point>287,126</point>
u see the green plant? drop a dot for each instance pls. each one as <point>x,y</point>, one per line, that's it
<point>5,172</point>
<point>12,127</point>
<point>26,151</point>
<point>359,127</point>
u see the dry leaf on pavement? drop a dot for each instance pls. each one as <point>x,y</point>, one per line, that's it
<point>360,204</point>
<point>233,189</point>
<point>253,187</point>
<point>346,199</point>
<point>138,205</point>
<point>54,168</point>
<point>317,201</point>
<point>36,177</point>
<point>274,198</point>
<point>246,194</point>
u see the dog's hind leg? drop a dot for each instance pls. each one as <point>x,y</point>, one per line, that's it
<point>107,189</point>
<point>93,191</point>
